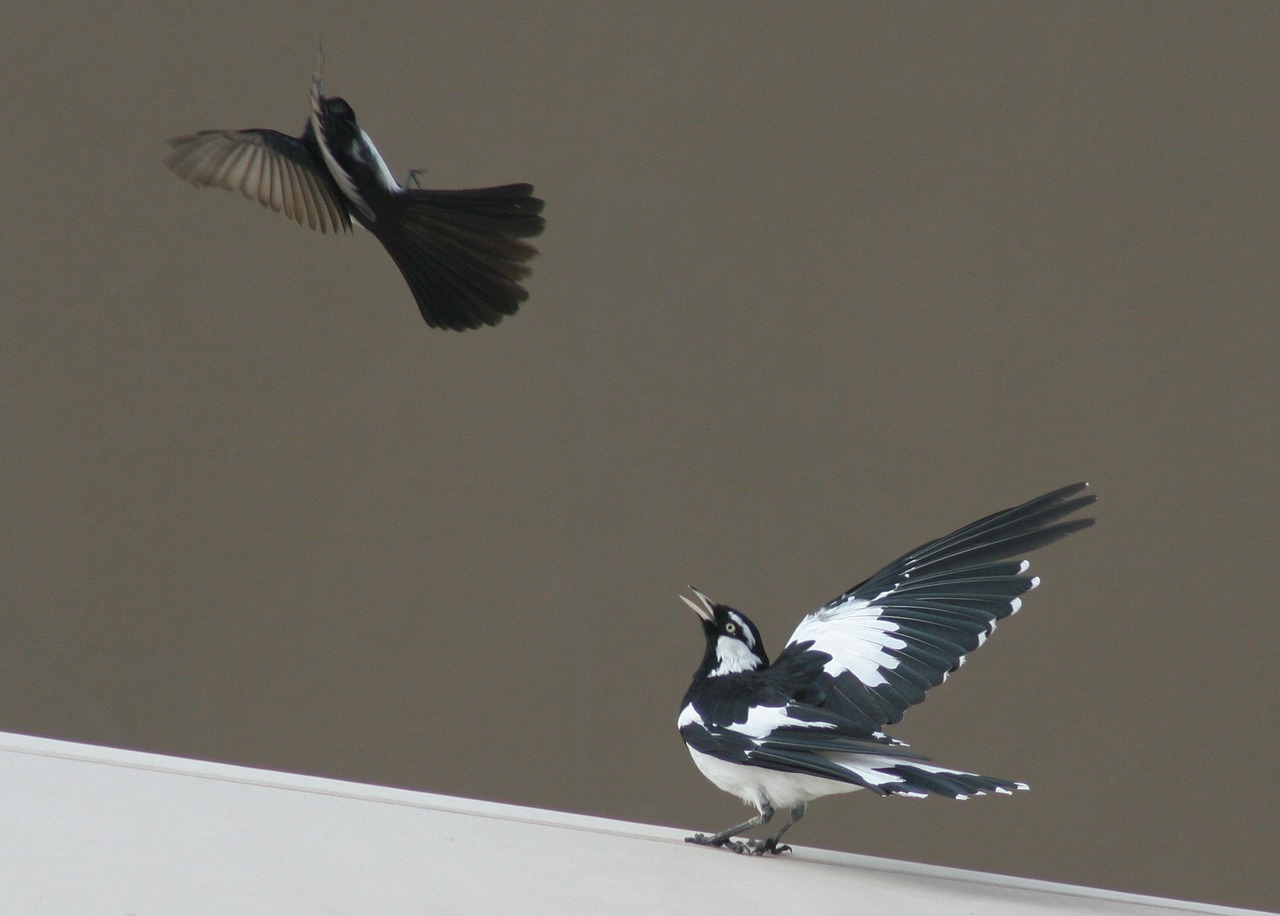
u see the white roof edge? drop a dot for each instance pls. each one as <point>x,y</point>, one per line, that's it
<point>147,832</point>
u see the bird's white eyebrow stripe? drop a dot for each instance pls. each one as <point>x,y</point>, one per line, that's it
<point>743,628</point>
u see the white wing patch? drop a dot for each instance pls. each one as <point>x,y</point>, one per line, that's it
<point>862,640</point>
<point>856,637</point>
<point>762,721</point>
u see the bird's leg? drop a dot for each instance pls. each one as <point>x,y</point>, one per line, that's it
<point>412,178</point>
<point>725,837</point>
<point>770,844</point>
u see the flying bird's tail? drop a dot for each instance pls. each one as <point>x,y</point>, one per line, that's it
<point>463,253</point>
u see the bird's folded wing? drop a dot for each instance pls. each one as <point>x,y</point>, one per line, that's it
<point>272,168</point>
<point>801,740</point>
<point>463,253</point>
<point>733,732</point>
<point>813,741</point>
<point>889,639</point>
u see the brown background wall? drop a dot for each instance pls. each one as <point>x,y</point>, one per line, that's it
<point>820,282</point>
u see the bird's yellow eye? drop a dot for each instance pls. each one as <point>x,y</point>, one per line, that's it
<point>731,628</point>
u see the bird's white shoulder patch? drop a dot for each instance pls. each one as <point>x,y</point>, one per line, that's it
<point>763,720</point>
<point>378,165</point>
<point>688,716</point>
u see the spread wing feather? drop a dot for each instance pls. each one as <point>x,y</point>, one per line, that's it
<point>276,170</point>
<point>887,640</point>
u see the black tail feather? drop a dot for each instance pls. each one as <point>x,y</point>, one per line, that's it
<point>949,783</point>
<point>463,253</point>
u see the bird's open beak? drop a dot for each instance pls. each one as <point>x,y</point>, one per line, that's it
<point>703,607</point>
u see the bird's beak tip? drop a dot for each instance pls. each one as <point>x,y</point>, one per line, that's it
<point>316,85</point>
<point>702,607</point>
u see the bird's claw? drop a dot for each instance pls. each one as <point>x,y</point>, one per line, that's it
<point>742,847</point>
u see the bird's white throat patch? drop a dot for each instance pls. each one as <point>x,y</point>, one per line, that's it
<point>732,656</point>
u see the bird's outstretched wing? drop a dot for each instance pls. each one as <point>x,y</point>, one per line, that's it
<point>890,638</point>
<point>463,253</point>
<point>274,169</point>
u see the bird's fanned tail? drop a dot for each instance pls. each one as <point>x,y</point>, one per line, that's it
<point>463,253</point>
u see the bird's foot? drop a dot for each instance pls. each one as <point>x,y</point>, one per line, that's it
<point>768,846</point>
<point>412,178</point>
<point>706,839</point>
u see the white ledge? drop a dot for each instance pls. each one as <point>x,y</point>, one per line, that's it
<point>98,830</point>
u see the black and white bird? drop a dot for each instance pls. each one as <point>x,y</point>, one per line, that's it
<point>809,724</point>
<point>463,253</point>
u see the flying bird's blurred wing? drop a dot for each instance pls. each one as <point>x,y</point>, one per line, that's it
<point>886,641</point>
<point>276,170</point>
<point>463,253</point>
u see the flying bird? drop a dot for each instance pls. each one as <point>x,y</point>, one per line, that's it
<point>809,724</point>
<point>463,252</point>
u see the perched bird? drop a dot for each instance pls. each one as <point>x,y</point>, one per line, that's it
<point>462,252</point>
<point>809,724</point>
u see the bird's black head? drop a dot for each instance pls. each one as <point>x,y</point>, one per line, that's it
<point>336,120</point>
<point>337,109</point>
<point>332,114</point>
<point>733,642</point>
